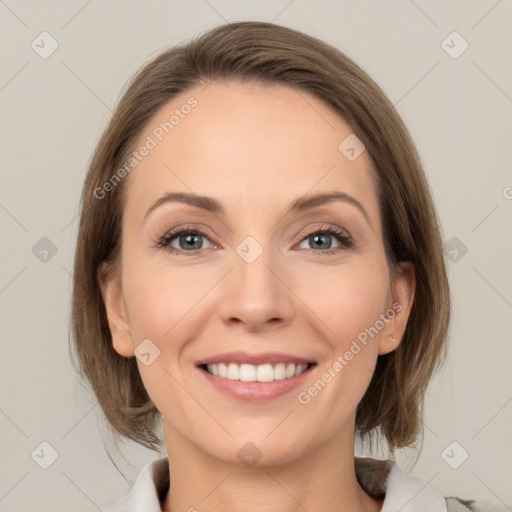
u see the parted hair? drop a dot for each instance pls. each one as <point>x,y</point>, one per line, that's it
<point>392,407</point>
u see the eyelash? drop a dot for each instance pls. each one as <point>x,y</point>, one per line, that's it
<point>345,240</point>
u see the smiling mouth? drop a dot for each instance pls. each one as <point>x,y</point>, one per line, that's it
<point>256,373</point>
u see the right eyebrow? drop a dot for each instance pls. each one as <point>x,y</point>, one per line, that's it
<point>206,203</point>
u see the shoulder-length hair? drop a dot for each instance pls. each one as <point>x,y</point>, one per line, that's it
<point>269,53</point>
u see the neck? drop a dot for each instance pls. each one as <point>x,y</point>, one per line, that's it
<point>322,479</point>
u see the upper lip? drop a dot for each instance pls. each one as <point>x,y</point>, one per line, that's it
<point>254,359</point>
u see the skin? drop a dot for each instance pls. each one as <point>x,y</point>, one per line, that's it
<point>249,145</point>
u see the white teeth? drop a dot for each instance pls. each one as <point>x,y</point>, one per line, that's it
<point>251,373</point>
<point>247,372</point>
<point>280,371</point>
<point>265,373</point>
<point>233,372</point>
<point>223,370</point>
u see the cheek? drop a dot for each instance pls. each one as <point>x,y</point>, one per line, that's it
<point>348,299</point>
<point>161,300</point>
<point>165,305</point>
<point>349,302</point>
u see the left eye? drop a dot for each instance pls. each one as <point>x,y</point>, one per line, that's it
<point>323,239</point>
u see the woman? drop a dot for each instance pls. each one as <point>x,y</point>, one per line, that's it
<point>259,265</point>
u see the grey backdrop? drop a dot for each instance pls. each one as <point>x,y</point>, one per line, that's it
<point>445,65</point>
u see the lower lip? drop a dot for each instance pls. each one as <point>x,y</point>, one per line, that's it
<point>256,391</point>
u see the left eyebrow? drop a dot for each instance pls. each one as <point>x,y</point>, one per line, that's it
<point>307,202</point>
<point>299,205</point>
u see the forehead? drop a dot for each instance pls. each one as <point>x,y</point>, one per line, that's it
<point>251,143</point>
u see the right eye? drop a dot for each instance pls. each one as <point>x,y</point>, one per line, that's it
<point>184,240</point>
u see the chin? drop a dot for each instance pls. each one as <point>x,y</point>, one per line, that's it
<point>257,451</point>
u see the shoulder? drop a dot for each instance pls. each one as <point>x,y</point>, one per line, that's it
<point>402,491</point>
<point>454,504</point>
<point>148,490</point>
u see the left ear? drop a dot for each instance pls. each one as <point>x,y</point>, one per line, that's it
<point>402,292</point>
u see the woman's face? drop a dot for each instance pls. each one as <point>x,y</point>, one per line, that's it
<point>263,280</point>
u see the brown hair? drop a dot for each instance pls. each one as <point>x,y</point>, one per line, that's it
<point>268,53</point>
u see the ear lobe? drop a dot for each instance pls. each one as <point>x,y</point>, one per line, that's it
<point>112,294</point>
<point>403,291</point>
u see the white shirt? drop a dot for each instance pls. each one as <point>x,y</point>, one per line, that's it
<point>401,492</point>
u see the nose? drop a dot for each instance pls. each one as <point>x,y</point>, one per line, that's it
<point>256,295</point>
